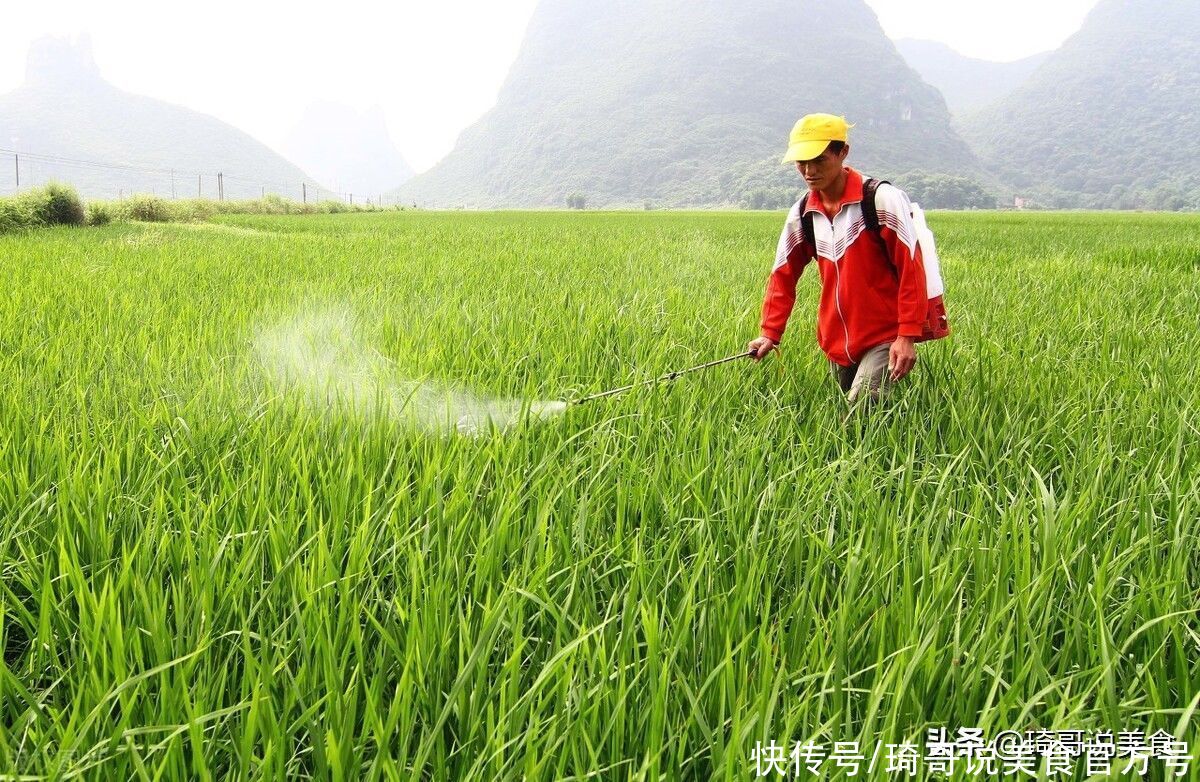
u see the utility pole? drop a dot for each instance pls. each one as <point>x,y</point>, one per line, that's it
<point>304,192</point>
<point>262,191</point>
<point>199,185</point>
<point>352,199</point>
<point>17,165</point>
<point>220,186</point>
<point>172,184</point>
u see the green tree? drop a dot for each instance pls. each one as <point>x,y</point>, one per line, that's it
<point>945,191</point>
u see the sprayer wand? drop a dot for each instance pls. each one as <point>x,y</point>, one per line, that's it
<point>665,378</point>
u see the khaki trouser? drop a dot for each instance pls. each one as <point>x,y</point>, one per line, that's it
<point>871,373</point>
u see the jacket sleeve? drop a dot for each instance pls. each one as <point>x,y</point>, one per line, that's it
<point>791,256</point>
<point>900,236</point>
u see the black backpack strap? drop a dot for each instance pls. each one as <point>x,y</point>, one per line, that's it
<point>869,207</point>
<point>806,227</point>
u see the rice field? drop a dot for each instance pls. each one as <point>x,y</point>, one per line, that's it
<point>292,497</point>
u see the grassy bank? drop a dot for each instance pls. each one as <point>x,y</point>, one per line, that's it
<point>57,204</point>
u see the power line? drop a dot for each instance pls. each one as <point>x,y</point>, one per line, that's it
<point>39,157</point>
<point>36,156</point>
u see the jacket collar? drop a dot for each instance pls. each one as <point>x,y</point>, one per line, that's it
<point>853,194</point>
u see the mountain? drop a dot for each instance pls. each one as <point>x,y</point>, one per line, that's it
<point>1110,119</point>
<point>966,83</point>
<point>347,150</point>
<point>688,102</point>
<point>67,123</point>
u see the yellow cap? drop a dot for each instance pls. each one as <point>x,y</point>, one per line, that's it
<point>813,133</point>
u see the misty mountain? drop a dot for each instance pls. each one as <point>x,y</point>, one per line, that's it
<point>966,83</point>
<point>1110,119</point>
<point>122,143</point>
<point>688,102</point>
<point>347,150</point>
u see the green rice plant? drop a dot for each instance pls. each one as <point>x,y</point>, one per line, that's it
<point>226,554</point>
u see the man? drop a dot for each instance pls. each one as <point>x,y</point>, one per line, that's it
<point>873,293</point>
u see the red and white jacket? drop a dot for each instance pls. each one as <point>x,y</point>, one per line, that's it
<point>871,291</point>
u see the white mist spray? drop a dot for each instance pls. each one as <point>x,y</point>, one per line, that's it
<point>322,355</point>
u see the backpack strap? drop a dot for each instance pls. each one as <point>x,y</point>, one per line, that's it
<point>806,227</point>
<point>869,207</point>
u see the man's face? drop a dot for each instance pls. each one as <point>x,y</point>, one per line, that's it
<point>823,170</point>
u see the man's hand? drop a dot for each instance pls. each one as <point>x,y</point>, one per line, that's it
<point>901,358</point>
<point>761,347</point>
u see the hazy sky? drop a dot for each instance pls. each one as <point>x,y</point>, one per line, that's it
<point>434,67</point>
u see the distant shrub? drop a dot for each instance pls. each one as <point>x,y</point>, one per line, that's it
<point>146,209</point>
<point>945,191</point>
<point>195,209</point>
<point>15,215</point>
<point>277,205</point>
<point>53,204</point>
<point>152,209</point>
<point>98,213</point>
<point>770,198</point>
<point>59,204</point>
